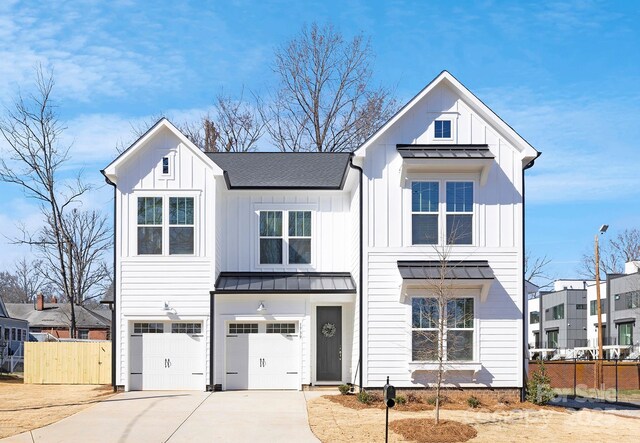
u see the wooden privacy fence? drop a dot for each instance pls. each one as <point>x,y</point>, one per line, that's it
<point>73,363</point>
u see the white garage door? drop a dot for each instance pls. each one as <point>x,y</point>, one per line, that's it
<point>262,356</point>
<point>167,356</point>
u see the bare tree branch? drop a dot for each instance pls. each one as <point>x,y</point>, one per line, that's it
<point>325,102</point>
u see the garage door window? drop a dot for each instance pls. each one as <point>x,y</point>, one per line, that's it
<point>243,328</point>
<point>148,328</point>
<point>281,328</point>
<point>186,328</point>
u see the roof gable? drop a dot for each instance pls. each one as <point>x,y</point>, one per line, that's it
<point>110,172</point>
<point>445,78</point>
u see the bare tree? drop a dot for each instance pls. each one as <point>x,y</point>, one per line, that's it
<point>443,318</point>
<point>91,238</point>
<point>623,248</point>
<point>34,162</point>
<point>10,291</point>
<point>30,279</point>
<point>325,101</point>
<point>536,269</point>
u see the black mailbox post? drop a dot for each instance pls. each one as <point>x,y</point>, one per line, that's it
<point>389,393</point>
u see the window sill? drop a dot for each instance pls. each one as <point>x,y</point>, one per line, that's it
<point>448,366</point>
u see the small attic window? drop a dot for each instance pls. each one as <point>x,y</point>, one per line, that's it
<point>165,165</point>
<point>442,129</point>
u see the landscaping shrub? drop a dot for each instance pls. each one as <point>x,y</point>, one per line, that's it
<point>473,402</point>
<point>364,397</point>
<point>539,389</point>
<point>431,400</point>
<point>401,399</point>
<point>344,389</point>
<point>413,397</point>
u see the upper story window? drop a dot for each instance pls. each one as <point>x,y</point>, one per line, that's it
<point>534,317</point>
<point>165,165</point>
<point>627,300</point>
<point>181,225</point>
<point>555,313</point>
<point>442,129</point>
<point>459,213</point>
<point>154,231</point>
<point>454,327</point>
<point>285,237</point>
<point>593,306</point>
<point>428,208</point>
<point>149,225</point>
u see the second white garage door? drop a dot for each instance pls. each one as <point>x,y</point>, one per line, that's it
<point>262,355</point>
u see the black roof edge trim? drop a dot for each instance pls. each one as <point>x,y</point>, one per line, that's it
<point>284,188</point>
<point>225,174</point>
<point>450,146</point>
<point>532,162</point>
<point>284,291</point>
<point>438,262</point>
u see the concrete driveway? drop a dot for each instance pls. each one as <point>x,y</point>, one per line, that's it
<point>241,416</point>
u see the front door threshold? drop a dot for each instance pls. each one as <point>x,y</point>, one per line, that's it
<point>328,383</point>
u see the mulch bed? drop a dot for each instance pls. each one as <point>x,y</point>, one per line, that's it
<point>425,430</point>
<point>419,404</point>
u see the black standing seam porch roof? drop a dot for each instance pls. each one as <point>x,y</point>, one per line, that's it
<point>441,151</point>
<point>459,270</point>
<point>284,282</point>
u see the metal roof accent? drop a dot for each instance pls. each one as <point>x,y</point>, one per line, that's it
<point>284,282</point>
<point>283,170</point>
<point>458,270</point>
<point>444,151</point>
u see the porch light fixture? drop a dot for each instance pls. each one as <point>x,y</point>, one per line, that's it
<point>261,307</point>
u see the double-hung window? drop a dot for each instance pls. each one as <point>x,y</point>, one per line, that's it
<point>271,237</point>
<point>181,225</point>
<point>176,226</point>
<point>300,237</point>
<point>425,198</point>
<point>459,213</point>
<point>436,214</point>
<point>149,225</point>
<point>455,333</point>
<point>285,237</point>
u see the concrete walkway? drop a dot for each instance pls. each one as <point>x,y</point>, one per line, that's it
<point>241,416</point>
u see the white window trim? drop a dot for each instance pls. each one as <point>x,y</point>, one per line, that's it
<point>171,155</point>
<point>285,208</point>
<point>165,222</point>
<point>460,293</point>
<point>451,121</point>
<point>442,179</point>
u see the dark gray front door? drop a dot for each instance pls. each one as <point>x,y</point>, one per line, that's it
<point>329,343</point>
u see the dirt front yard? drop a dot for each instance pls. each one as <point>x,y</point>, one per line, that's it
<point>25,407</point>
<point>333,422</point>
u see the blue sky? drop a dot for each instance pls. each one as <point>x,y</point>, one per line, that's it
<point>565,75</point>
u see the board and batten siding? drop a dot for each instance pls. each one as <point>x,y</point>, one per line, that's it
<point>145,283</point>
<point>497,237</point>
<point>331,230</point>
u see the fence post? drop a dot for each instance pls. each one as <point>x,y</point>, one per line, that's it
<point>616,380</point>
<point>575,375</point>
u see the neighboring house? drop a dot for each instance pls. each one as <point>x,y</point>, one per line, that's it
<point>620,298</point>
<point>13,333</point>
<point>282,270</point>
<point>55,319</point>
<point>558,320</point>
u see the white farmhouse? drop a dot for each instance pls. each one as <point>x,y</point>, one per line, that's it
<point>284,270</point>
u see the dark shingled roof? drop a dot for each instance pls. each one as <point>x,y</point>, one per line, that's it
<point>283,170</point>
<point>283,282</point>
<point>57,315</point>
<point>459,270</point>
<point>444,151</point>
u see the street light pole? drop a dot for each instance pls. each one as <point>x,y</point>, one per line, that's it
<point>603,229</point>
